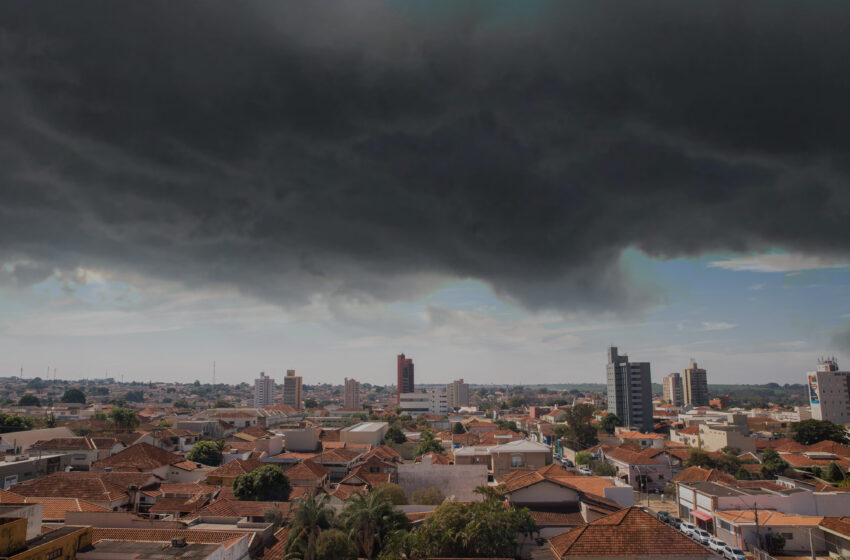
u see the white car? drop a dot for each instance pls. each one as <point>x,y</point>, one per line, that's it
<point>716,545</point>
<point>585,471</point>
<point>687,528</point>
<point>732,553</point>
<point>702,537</point>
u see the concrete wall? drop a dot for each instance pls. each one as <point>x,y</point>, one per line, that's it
<point>302,440</point>
<point>531,461</point>
<point>458,481</point>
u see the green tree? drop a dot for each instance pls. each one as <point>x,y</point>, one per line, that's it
<point>609,422</point>
<point>578,429</point>
<point>507,425</point>
<point>74,395</point>
<point>742,474</point>
<point>370,519</point>
<point>29,400</point>
<point>813,431</point>
<point>183,403</point>
<point>206,452</point>
<point>134,396</point>
<point>310,403</point>
<point>333,544</point>
<point>14,423</point>
<point>458,428</point>
<point>470,530</point>
<point>602,468</point>
<point>699,458</point>
<point>274,516</point>
<point>774,543</point>
<point>266,484</point>
<point>395,494</point>
<point>428,496</point>
<point>312,516</point>
<point>583,458</point>
<point>428,444</point>
<point>772,465</point>
<point>50,421</point>
<point>728,463</point>
<point>221,403</point>
<point>125,419</point>
<point>834,473</point>
<point>394,435</point>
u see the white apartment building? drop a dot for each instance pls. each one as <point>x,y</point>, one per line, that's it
<point>457,394</point>
<point>427,401</point>
<point>829,392</point>
<point>263,391</point>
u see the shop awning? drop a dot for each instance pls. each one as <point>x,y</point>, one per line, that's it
<point>701,515</point>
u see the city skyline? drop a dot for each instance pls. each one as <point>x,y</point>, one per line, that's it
<point>460,184</point>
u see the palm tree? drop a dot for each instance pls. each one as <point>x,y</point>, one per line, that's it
<point>312,516</point>
<point>370,519</point>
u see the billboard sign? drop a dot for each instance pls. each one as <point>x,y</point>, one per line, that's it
<point>814,397</point>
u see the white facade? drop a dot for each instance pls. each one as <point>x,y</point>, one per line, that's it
<point>829,392</point>
<point>431,401</point>
<point>457,394</point>
<point>263,390</point>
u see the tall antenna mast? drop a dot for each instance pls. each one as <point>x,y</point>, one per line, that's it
<point>213,372</point>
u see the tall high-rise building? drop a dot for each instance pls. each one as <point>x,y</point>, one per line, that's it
<point>351,396</point>
<point>457,394</point>
<point>672,386</point>
<point>629,391</point>
<point>263,391</point>
<point>405,375</point>
<point>695,385</point>
<point>292,395</point>
<point>829,392</point>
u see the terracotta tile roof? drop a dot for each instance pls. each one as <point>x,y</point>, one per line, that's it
<point>769,518</point>
<point>831,447</point>
<point>436,459</point>
<point>338,455</point>
<point>235,468</point>
<point>184,489</point>
<point>698,474</point>
<point>629,532</point>
<point>62,444</point>
<point>164,535</point>
<point>241,508</point>
<point>179,505</point>
<point>307,472</point>
<point>840,525</point>
<point>638,435</point>
<point>384,452</point>
<point>276,548</point>
<point>188,465</point>
<point>557,519</point>
<point>343,491</point>
<point>54,508</point>
<point>690,430</point>
<point>630,457</point>
<point>302,492</point>
<point>72,485</point>
<point>104,442</point>
<point>138,457</point>
<point>294,456</point>
<point>800,460</point>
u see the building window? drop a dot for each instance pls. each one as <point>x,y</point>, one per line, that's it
<point>54,554</point>
<point>516,461</point>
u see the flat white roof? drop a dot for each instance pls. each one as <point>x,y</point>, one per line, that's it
<point>366,427</point>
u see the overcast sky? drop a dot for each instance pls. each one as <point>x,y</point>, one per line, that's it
<point>498,189</point>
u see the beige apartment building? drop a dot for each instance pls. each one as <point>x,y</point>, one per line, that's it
<point>672,386</point>
<point>292,395</point>
<point>351,394</point>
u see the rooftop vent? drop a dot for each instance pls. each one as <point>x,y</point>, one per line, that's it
<point>178,542</point>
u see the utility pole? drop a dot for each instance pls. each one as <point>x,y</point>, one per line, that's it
<point>758,533</point>
<point>812,545</point>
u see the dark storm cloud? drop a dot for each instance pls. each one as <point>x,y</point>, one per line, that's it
<point>367,149</point>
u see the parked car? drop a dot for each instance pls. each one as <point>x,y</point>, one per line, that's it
<point>663,516</point>
<point>585,471</point>
<point>732,553</point>
<point>687,528</point>
<point>674,521</point>
<point>566,462</point>
<point>702,537</point>
<point>716,545</point>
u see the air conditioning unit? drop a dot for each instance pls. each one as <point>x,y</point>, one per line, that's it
<point>178,542</point>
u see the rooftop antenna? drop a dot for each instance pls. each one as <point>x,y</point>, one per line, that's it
<point>22,372</point>
<point>213,373</point>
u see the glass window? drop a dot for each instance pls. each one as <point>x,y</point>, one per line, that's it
<point>516,461</point>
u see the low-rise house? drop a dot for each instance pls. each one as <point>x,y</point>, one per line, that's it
<point>227,473</point>
<point>17,443</point>
<point>741,528</point>
<point>644,470</point>
<point>82,451</point>
<point>308,473</point>
<point>338,461</point>
<point>630,534</point>
<point>143,457</point>
<point>60,543</point>
<point>836,535</point>
<point>113,491</point>
<point>18,468</point>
